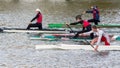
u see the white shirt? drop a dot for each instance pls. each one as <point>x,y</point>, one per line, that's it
<point>99,33</point>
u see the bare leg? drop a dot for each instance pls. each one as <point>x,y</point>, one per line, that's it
<point>112,38</point>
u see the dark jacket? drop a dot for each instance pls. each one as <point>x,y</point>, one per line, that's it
<point>95,12</point>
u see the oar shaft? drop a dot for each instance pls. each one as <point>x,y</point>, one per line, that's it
<point>92,46</point>
<point>70,28</point>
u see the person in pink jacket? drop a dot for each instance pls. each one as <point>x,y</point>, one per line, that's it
<point>38,18</point>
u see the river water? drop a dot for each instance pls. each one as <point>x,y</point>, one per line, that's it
<point>18,51</point>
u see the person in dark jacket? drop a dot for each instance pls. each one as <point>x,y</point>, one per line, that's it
<point>38,17</point>
<point>86,26</point>
<point>96,15</point>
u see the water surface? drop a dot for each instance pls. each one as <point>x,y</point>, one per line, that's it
<point>18,51</point>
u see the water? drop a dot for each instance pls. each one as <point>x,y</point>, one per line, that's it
<point>18,51</point>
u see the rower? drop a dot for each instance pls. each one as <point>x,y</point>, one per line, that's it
<point>85,24</point>
<point>96,16</point>
<point>39,20</point>
<point>101,36</point>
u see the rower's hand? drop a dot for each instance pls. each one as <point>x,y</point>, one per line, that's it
<point>30,23</point>
<point>84,12</point>
<point>82,34</point>
<point>96,48</point>
<point>67,23</point>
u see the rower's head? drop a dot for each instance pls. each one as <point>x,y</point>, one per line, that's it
<point>38,10</point>
<point>94,28</point>
<point>78,18</point>
<point>93,7</point>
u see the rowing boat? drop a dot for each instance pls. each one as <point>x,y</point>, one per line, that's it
<point>9,28</point>
<point>45,30</point>
<point>59,37</point>
<point>33,31</point>
<point>14,30</point>
<point>66,37</point>
<point>62,25</point>
<point>83,47</point>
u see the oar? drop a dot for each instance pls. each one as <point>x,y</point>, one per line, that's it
<point>84,39</point>
<point>70,28</point>
<point>91,46</point>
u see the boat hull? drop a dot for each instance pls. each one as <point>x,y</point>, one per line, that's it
<point>83,47</point>
<point>62,25</point>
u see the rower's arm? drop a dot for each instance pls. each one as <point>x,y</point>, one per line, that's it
<point>99,38</point>
<point>90,11</point>
<point>75,23</point>
<point>35,18</point>
<point>88,33</point>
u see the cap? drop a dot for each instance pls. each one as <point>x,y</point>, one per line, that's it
<point>38,10</point>
<point>94,7</point>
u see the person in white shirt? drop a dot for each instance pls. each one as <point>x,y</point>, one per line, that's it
<point>101,36</point>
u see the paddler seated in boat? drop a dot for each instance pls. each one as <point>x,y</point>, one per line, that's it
<point>96,15</point>
<point>86,26</point>
<point>101,36</point>
<point>38,17</point>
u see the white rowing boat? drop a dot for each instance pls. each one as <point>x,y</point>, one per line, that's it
<point>84,47</point>
<point>51,31</point>
<point>34,31</point>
